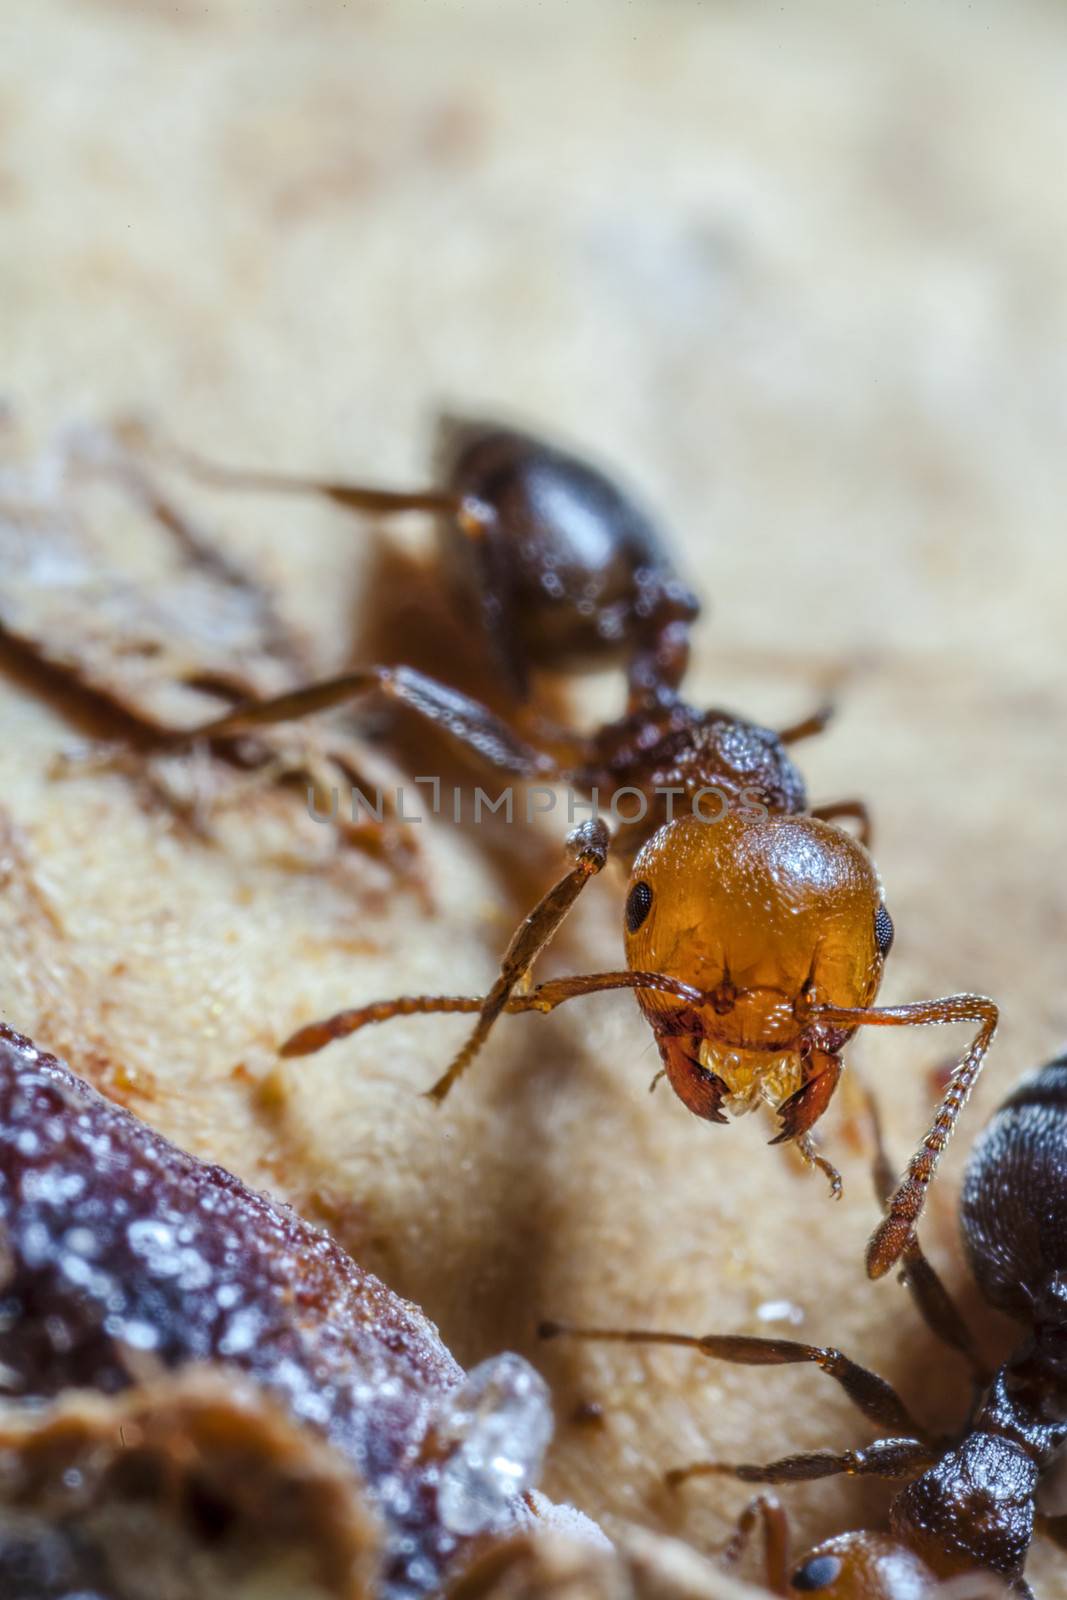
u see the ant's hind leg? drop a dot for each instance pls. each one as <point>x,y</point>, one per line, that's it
<point>471,725</point>
<point>886,1458</point>
<point>473,520</point>
<point>877,1399</point>
<point>137,434</point>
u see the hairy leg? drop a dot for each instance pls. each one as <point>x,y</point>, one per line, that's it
<point>544,998</point>
<point>936,1306</point>
<point>891,1238</point>
<point>877,1399</point>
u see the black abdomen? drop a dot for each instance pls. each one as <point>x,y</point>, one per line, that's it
<point>580,565</point>
<point>1013,1210</point>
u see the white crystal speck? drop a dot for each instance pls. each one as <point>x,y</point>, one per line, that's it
<point>495,1429</point>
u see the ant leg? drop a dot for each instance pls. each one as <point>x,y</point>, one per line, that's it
<point>809,726</point>
<point>885,1458</point>
<point>104,452</point>
<point>546,997</point>
<point>588,844</point>
<point>353,496</point>
<point>474,521</point>
<point>856,809</point>
<point>935,1305</point>
<point>869,1393</point>
<point>470,724</point>
<point>892,1236</point>
<point>767,1511</point>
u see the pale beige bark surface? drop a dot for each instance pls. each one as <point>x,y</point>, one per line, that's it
<point>800,271</point>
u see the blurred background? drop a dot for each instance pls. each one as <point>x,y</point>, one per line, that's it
<point>798,273</point>
<point>797,269</point>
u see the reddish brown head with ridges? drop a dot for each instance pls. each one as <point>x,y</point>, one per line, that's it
<point>771,918</point>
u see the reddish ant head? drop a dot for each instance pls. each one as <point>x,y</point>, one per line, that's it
<point>862,1566</point>
<point>770,918</point>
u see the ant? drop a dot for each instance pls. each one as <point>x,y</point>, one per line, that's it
<point>755,938</point>
<point>563,569</point>
<point>967,1505</point>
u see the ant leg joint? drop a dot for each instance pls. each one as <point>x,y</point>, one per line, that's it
<point>589,844</point>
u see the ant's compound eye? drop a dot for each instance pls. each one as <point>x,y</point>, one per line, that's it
<point>820,1571</point>
<point>638,905</point>
<point>883,931</point>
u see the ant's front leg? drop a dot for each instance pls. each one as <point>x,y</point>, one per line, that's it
<point>934,1303</point>
<point>588,845</point>
<point>767,1512</point>
<point>892,1237</point>
<point>481,733</point>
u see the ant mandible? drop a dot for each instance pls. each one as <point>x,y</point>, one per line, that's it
<point>755,945</point>
<point>968,1503</point>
